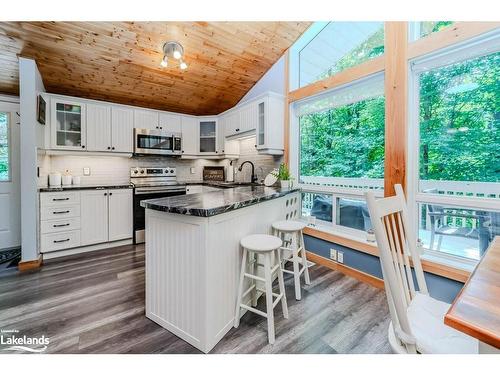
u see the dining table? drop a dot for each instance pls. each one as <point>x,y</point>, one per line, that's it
<point>476,309</point>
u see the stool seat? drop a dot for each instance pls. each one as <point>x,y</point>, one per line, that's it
<point>289,225</point>
<point>261,242</point>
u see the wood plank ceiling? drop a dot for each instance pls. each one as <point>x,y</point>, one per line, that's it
<point>119,61</point>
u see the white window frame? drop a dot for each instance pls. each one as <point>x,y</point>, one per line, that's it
<point>477,47</point>
<point>341,187</point>
<point>9,146</point>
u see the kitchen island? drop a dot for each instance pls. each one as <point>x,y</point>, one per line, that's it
<point>193,255</point>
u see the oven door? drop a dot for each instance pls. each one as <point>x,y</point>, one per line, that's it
<point>154,142</point>
<point>142,194</point>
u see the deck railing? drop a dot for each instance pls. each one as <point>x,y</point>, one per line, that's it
<point>454,188</point>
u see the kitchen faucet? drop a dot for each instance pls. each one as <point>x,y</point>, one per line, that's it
<point>254,177</point>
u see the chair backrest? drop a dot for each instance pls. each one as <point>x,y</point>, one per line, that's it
<point>397,243</point>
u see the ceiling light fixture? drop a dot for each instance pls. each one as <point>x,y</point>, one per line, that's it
<point>175,51</point>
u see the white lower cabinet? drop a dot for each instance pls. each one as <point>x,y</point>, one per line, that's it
<point>94,216</point>
<point>60,241</point>
<point>120,208</point>
<point>84,218</point>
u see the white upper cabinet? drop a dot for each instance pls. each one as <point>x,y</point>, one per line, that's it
<point>98,127</point>
<point>227,148</point>
<point>232,124</point>
<point>248,118</point>
<point>208,136</point>
<point>146,119</point>
<point>68,127</point>
<point>122,129</point>
<point>170,122</point>
<point>189,135</point>
<point>270,115</point>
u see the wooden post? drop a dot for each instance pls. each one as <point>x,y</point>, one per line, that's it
<point>286,132</point>
<point>396,105</point>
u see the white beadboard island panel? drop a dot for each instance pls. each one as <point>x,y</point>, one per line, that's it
<point>192,266</point>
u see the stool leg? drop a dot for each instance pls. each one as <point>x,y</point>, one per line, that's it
<point>304,260</point>
<point>269,298</point>
<point>240,288</point>
<point>281,283</point>
<point>253,258</point>
<point>296,270</point>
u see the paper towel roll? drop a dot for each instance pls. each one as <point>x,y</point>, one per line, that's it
<point>229,173</point>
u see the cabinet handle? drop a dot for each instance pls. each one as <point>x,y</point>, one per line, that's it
<point>112,148</point>
<point>60,199</point>
<point>182,151</point>
<point>110,193</point>
<point>58,241</point>
<point>216,152</point>
<point>60,225</point>
<point>255,146</point>
<point>238,129</point>
<point>222,151</point>
<point>61,212</point>
<point>83,146</point>
<point>109,148</point>
<point>105,194</point>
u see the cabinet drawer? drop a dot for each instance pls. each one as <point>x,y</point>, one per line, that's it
<point>60,241</point>
<point>63,225</point>
<point>60,212</point>
<point>59,198</point>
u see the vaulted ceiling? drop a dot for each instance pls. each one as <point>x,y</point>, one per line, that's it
<point>120,61</point>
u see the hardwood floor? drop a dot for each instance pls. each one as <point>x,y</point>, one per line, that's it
<point>94,303</point>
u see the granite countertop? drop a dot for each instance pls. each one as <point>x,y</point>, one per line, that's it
<point>51,189</point>
<point>217,202</point>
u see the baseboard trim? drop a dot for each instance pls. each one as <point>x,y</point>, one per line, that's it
<point>359,275</point>
<point>29,265</point>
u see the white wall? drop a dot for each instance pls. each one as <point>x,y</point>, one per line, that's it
<point>30,85</point>
<point>272,80</point>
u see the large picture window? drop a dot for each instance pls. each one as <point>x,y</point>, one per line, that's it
<point>458,172</point>
<point>4,147</point>
<point>338,46</point>
<point>341,143</point>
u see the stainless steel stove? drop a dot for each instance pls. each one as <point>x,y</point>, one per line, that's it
<point>151,183</point>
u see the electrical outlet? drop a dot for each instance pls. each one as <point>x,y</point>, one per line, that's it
<point>86,171</point>
<point>340,256</point>
<point>333,254</point>
<point>192,170</point>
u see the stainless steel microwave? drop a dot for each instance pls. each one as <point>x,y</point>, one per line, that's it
<point>157,142</point>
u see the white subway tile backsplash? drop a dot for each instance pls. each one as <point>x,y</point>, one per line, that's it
<point>113,169</point>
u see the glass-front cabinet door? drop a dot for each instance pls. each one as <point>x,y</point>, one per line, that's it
<point>68,125</point>
<point>208,136</point>
<point>261,125</point>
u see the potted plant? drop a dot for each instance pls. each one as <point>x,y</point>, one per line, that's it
<point>283,174</point>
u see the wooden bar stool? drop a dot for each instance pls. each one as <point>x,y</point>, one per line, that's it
<point>265,245</point>
<point>291,233</point>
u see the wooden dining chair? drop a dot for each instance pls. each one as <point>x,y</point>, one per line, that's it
<point>417,319</point>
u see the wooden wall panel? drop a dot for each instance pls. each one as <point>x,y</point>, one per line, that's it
<point>396,104</point>
<point>119,61</point>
